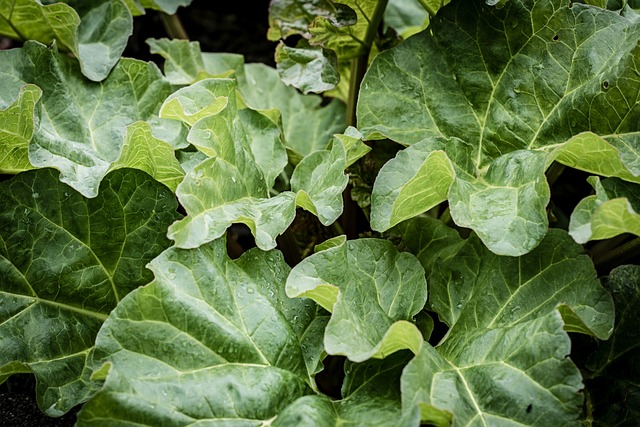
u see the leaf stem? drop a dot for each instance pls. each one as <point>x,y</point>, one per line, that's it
<point>173,26</point>
<point>619,254</point>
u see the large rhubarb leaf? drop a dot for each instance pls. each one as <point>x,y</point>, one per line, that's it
<point>515,84</point>
<point>372,290</point>
<point>96,31</point>
<point>82,124</point>
<point>613,210</point>
<point>505,352</point>
<point>210,341</point>
<point>65,262</point>
<point>615,387</point>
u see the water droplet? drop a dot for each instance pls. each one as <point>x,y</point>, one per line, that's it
<point>233,178</point>
<point>459,305</point>
<point>36,195</point>
<point>250,290</point>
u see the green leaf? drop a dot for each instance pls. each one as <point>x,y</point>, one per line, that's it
<point>372,290</point>
<point>433,6</point>
<point>142,151</point>
<point>351,139</point>
<point>307,124</point>
<point>232,186</point>
<point>319,181</point>
<point>65,262</point>
<point>505,88</point>
<point>167,6</point>
<point>406,17</point>
<point>82,124</point>
<point>371,397</point>
<point>288,17</point>
<point>310,69</point>
<point>517,374</point>
<point>474,289</point>
<point>210,340</point>
<point>186,64</point>
<point>612,211</point>
<point>614,366</point>
<point>95,31</point>
<point>16,130</point>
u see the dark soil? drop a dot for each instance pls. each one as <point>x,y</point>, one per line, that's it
<point>238,26</point>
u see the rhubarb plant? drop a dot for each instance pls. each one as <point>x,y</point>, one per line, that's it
<point>404,174</point>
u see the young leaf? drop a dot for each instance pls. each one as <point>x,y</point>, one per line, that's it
<point>614,389</point>
<point>82,124</point>
<point>16,130</point>
<point>310,69</point>
<point>372,290</point>
<point>319,181</point>
<point>209,340</point>
<point>65,262</point>
<point>478,75</point>
<point>612,211</point>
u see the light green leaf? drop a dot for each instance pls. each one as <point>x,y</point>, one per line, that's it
<point>288,17</point>
<point>319,181</point>
<point>613,210</point>
<point>307,125</point>
<point>478,74</point>
<point>186,64</point>
<point>372,290</point>
<point>142,151</point>
<point>472,288</point>
<point>371,397</point>
<point>65,262</point>
<point>512,375</point>
<point>614,365</point>
<point>432,6</point>
<point>416,180</point>
<point>167,6</point>
<point>16,129</point>
<point>351,139</point>
<point>82,124</point>
<point>202,99</point>
<point>407,17</point>
<point>310,69</point>
<point>209,341</point>
<point>507,206</point>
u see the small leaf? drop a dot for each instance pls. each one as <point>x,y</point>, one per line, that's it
<point>310,69</point>
<point>352,141</point>
<point>373,292</point>
<point>319,181</point>
<point>65,262</point>
<point>611,212</point>
<point>16,130</point>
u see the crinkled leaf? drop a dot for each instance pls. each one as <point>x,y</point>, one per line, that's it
<point>288,17</point>
<point>16,129</point>
<point>307,125</point>
<point>373,292</point>
<point>613,210</point>
<point>472,288</point>
<point>509,80</point>
<point>65,262</point>
<point>308,68</point>
<point>232,185</point>
<point>210,340</point>
<point>371,397</point>
<point>142,151</point>
<point>82,124</point>
<point>615,392</point>
<point>319,181</point>
<point>517,374</point>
